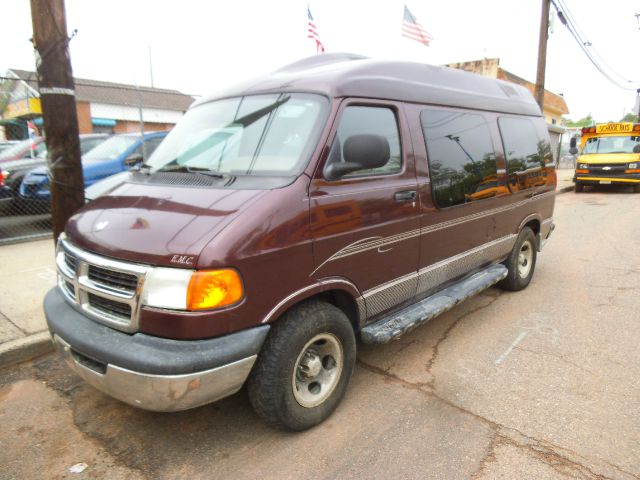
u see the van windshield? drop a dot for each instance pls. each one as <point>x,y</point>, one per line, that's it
<point>617,144</point>
<point>270,135</point>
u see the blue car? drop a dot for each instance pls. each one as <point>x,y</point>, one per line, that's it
<point>114,155</point>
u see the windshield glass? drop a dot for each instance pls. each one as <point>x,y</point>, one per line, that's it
<point>253,135</point>
<point>111,148</point>
<point>619,144</point>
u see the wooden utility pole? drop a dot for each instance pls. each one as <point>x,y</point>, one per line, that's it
<point>542,53</point>
<point>57,97</point>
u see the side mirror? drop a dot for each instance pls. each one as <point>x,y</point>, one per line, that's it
<point>361,152</point>
<point>636,148</point>
<point>133,159</point>
<point>573,148</point>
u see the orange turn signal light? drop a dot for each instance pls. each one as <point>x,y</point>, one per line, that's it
<point>633,170</point>
<point>582,171</point>
<point>214,289</point>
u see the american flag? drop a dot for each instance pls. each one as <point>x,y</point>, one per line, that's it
<point>312,32</point>
<point>413,30</point>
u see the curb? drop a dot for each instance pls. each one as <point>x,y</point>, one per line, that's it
<point>26,348</point>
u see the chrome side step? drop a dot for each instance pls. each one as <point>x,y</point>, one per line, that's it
<point>393,326</point>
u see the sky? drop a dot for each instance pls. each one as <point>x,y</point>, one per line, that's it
<point>200,46</point>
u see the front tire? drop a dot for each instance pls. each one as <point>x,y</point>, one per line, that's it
<point>636,189</point>
<point>304,367</point>
<point>578,188</point>
<point>521,262</point>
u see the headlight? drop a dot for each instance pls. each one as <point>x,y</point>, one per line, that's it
<point>584,166</point>
<point>633,165</point>
<point>180,289</point>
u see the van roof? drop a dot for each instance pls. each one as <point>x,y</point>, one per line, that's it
<point>349,75</point>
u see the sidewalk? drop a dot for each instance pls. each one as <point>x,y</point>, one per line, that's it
<point>29,272</point>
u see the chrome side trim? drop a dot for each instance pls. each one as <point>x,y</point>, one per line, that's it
<point>362,309</point>
<point>378,242</point>
<point>456,266</point>
<point>162,393</point>
<point>269,316</point>
<point>390,294</point>
<point>546,227</point>
<point>286,300</point>
<point>387,295</point>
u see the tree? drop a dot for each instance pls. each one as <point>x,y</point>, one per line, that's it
<point>583,122</point>
<point>629,117</point>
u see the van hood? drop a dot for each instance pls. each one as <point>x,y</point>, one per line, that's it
<point>157,224</point>
<point>600,158</point>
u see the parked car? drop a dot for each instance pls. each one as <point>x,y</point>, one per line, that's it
<point>114,155</point>
<point>22,149</point>
<point>14,171</point>
<point>105,185</point>
<point>6,144</point>
<point>340,201</point>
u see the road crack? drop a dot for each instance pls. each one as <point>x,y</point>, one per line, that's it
<point>436,348</point>
<point>542,450</point>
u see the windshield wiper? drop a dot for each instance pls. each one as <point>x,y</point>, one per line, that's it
<point>196,170</point>
<point>142,168</point>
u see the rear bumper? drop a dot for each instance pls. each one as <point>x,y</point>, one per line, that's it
<point>148,372</point>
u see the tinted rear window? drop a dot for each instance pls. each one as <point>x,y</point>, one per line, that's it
<point>461,157</point>
<point>528,155</point>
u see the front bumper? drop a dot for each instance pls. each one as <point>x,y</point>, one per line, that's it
<point>599,179</point>
<point>149,372</point>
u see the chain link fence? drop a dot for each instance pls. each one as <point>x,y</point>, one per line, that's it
<point>120,125</point>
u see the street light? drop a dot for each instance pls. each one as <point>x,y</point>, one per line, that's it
<point>638,20</point>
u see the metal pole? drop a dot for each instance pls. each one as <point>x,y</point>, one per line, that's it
<point>140,115</point>
<point>57,97</point>
<point>542,53</point>
<point>150,67</point>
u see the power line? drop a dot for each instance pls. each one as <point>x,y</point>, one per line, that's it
<point>566,18</point>
<point>587,43</point>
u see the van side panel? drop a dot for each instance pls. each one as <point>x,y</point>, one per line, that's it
<point>363,231</point>
<point>458,239</point>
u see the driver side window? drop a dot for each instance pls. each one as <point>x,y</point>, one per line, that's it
<point>357,120</point>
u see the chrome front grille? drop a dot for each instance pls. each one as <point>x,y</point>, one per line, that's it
<point>106,290</point>
<point>125,282</point>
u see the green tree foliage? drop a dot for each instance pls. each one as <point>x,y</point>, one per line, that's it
<point>629,117</point>
<point>583,122</point>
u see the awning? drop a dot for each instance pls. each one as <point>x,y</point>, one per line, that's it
<point>103,122</point>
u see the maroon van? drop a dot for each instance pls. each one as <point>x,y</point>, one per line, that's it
<point>339,198</point>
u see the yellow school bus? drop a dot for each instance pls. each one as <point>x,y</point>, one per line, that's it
<point>609,154</point>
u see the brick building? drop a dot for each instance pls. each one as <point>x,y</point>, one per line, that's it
<point>101,106</point>
<point>554,104</point>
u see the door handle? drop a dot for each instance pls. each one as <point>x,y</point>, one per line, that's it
<point>407,196</point>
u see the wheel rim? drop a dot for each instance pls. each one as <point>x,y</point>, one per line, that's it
<point>525,259</point>
<point>317,370</point>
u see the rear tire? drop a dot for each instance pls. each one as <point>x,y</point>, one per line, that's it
<point>578,188</point>
<point>521,262</point>
<point>304,367</point>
